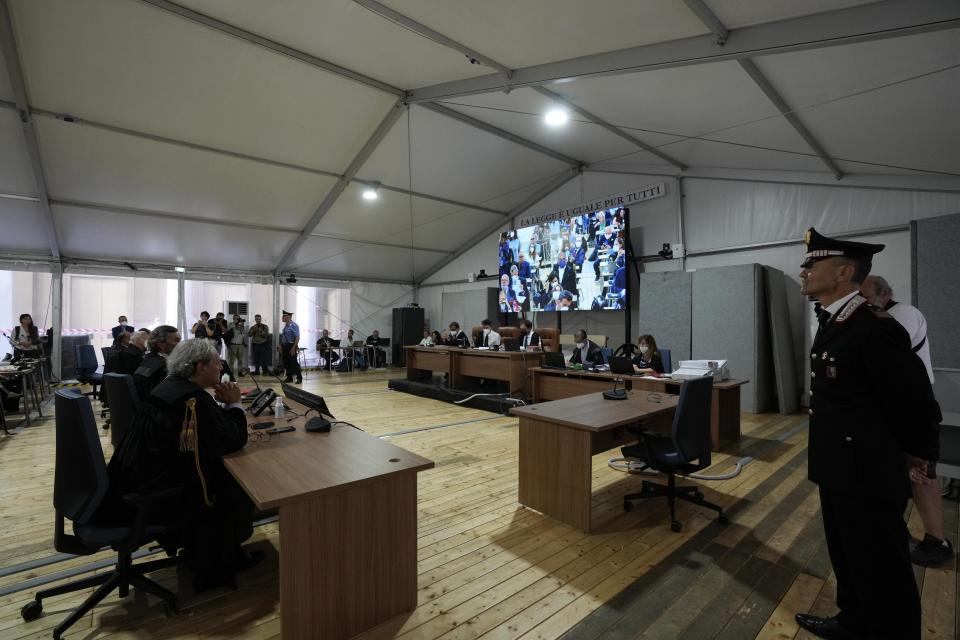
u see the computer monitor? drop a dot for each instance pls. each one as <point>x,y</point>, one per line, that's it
<point>554,359</point>
<point>306,398</point>
<point>623,366</point>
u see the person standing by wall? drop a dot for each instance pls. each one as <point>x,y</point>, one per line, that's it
<point>868,428</point>
<point>259,335</point>
<point>289,344</point>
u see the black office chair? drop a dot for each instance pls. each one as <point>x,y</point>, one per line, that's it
<point>626,350</point>
<point>689,441</point>
<point>124,404</point>
<point>87,366</point>
<point>79,487</point>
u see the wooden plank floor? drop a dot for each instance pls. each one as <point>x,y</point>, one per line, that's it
<point>490,569</point>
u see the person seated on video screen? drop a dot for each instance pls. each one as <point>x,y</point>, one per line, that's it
<point>507,305</point>
<point>563,302</point>
<point>523,267</point>
<point>551,292</point>
<point>579,251</point>
<point>605,243</point>
<point>566,273</point>
<point>585,351</point>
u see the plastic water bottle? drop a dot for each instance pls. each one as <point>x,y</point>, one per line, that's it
<point>278,408</point>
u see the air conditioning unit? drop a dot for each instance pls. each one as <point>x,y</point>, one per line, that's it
<point>232,307</point>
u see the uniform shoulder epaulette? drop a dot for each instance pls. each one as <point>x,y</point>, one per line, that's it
<point>149,366</point>
<point>855,303</point>
<point>878,311</point>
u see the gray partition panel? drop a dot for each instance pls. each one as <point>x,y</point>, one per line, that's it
<point>781,340</point>
<point>730,322</point>
<point>665,309</point>
<point>468,307</point>
<point>936,285</point>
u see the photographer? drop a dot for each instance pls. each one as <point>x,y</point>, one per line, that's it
<point>236,339</point>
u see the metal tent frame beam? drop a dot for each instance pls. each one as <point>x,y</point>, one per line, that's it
<point>506,135</point>
<point>276,47</point>
<point>425,31</point>
<point>609,127</point>
<point>750,67</point>
<point>531,200</point>
<point>11,54</point>
<point>863,23</point>
<point>712,22</point>
<point>235,154</point>
<point>365,152</point>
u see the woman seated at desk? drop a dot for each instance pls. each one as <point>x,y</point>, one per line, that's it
<point>427,339</point>
<point>178,440</point>
<point>648,361</point>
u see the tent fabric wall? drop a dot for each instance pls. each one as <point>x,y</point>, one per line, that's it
<point>371,306</point>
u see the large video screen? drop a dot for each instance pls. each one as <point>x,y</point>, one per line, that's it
<point>577,263</point>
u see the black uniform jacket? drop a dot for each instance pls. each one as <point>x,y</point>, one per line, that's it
<point>593,355</point>
<point>871,404</point>
<point>150,373</point>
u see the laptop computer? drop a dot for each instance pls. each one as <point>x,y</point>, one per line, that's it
<point>336,343</point>
<point>554,360</point>
<point>620,365</point>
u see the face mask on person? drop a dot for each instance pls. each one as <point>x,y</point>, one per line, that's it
<point>644,349</point>
<point>579,344</point>
<point>561,263</point>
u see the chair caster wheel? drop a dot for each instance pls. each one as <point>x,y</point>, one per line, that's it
<point>170,610</point>
<point>31,611</point>
<point>722,519</point>
<point>676,526</point>
<point>699,495</point>
<point>627,505</point>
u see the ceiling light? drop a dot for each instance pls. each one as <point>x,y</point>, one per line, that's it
<point>180,269</point>
<point>370,193</point>
<point>556,117</point>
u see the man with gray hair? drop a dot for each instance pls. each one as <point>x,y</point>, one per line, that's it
<point>132,355</point>
<point>934,549</point>
<point>177,441</point>
<point>153,367</point>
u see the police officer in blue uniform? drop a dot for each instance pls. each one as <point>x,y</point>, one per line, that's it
<point>871,407</point>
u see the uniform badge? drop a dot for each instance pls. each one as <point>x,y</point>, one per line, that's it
<point>831,371</point>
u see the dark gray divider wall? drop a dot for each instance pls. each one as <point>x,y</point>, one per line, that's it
<point>781,340</point>
<point>665,308</point>
<point>936,285</point>
<point>729,321</point>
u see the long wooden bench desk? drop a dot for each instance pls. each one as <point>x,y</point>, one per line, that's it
<point>555,384</point>
<point>348,525</point>
<point>464,366</point>
<point>559,438</point>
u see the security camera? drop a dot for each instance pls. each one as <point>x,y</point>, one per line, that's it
<point>291,279</point>
<point>666,252</point>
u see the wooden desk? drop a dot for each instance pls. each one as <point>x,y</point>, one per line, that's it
<point>554,384</point>
<point>510,366</point>
<point>462,365</point>
<point>28,389</point>
<point>423,361</point>
<point>558,439</point>
<point>348,525</point>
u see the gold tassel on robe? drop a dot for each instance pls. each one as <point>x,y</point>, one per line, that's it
<point>189,442</point>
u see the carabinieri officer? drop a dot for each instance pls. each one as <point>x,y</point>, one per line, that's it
<point>871,405</point>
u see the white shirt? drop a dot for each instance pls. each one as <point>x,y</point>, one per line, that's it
<point>493,339</point>
<point>916,325</point>
<point>837,305</point>
<point>426,342</point>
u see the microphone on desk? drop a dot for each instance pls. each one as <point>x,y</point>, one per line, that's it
<point>615,394</point>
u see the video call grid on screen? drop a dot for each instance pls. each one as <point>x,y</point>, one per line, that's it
<point>575,263</point>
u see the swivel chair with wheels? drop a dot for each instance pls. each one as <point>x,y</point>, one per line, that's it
<point>80,486</point>
<point>87,366</point>
<point>689,441</point>
<point>626,350</point>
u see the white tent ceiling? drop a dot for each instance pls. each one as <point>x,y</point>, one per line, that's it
<point>216,133</point>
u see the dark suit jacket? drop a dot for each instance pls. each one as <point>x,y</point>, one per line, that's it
<point>534,339</point>
<point>523,269</point>
<point>870,403</point>
<point>459,340</point>
<point>117,330</point>
<point>569,280</point>
<point>593,354</point>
